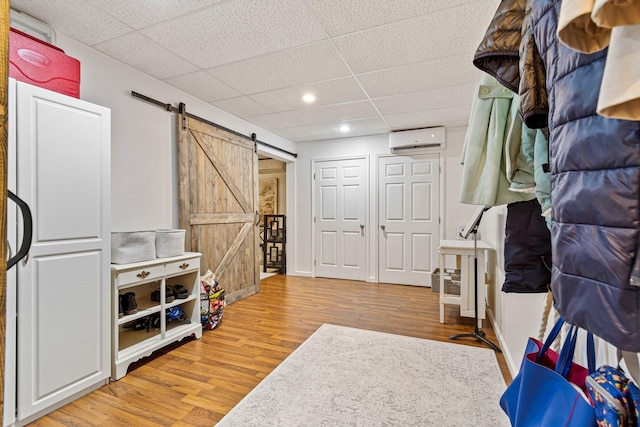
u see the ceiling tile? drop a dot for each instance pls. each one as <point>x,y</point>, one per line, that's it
<point>238,30</point>
<point>452,116</point>
<point>142,13</point>
<point>331,113</point>
<point>332,131</point>
<point>138,51</point>
<point>242,106</point>
<point>290,67</point>
<point>444,33</point>
<point>426,99</point>
<point>328,92</point>
<point>204,86</point>
<point>346,16</point>
<point>443,72</point>
<point>271,121</point>
<point>77,19</point>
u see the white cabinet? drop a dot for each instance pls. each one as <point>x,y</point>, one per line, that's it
<point>138,334</point>
<point>58,305</point>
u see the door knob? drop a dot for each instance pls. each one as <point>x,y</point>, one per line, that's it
<point>382,227</point>
<point>361,227</point>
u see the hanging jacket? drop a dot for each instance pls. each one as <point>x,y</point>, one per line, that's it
<point>527,249</point>
<point>595,183</point>
<point>484,178</point>
<point>497,54</point>
<point>589,26</point>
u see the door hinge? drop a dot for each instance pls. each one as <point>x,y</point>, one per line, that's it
<point>439,169</point>
<point>314,175</point>
<point>314,219</point>
<point>439,220</point>
<point>314,262</point>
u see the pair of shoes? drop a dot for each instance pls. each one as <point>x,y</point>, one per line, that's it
<point>180,291</point>
<point>128,304</point>
<point>168,295</point>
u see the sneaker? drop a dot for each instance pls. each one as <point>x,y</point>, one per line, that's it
<point>168,295</point>
<point>180,291</point>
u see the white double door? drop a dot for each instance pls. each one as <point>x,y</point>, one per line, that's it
<point>408,195</point>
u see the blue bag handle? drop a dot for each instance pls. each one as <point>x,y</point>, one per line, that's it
<point>550,338</point>
<point>565,358</point>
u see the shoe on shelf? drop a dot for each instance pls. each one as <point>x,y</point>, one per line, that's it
<point>180,291</point>
<point>168,295</point>
<point>129,305</point>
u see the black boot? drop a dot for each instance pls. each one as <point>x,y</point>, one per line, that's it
<point>129,305</point>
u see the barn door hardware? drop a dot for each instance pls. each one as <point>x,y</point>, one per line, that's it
<point>183,111</point>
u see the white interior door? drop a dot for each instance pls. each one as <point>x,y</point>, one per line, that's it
<point>340,195</point>
<point>408,216</point>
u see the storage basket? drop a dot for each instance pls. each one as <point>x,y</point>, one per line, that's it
<point>169,243</point>
<point>451,281</point>
<point>132,246</point>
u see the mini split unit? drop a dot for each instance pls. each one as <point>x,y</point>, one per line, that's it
<point>417,140</point>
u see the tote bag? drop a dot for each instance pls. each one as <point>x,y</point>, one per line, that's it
<point>549,389</point>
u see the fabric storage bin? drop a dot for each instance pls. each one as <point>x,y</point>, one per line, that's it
<point>132,246</point>
<point>169,243</point>
<point>451,281</point>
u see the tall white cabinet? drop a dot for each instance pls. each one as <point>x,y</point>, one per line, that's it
<point>58,297</point>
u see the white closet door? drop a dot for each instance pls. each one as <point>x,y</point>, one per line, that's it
<point>63,288</point>
<point>340,197</point>
<point>408,213</point>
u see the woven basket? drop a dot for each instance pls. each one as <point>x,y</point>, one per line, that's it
<point>132,246</point>
<point>169,243</point>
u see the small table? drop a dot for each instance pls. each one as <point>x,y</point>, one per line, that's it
<point>464,252</point>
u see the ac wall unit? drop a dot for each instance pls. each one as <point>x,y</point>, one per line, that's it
<point>417,140</point>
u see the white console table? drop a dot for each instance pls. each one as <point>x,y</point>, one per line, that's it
<point>463,250</point>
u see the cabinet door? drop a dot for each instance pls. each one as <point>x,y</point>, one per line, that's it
<point>63,147</point>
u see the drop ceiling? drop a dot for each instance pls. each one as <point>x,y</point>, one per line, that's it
<point>374,65</point>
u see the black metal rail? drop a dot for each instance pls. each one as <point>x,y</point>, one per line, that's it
<point>182,110</point>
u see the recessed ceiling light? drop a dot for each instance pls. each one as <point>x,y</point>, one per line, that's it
<point>308,98</point>
<point>344,128</point>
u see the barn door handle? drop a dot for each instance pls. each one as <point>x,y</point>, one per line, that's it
<point>257,218</point>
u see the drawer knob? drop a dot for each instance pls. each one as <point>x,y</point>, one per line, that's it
<point>184,265</point>
<point>143,274</point>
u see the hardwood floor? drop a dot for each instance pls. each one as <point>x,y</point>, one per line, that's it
<point>196,382</point>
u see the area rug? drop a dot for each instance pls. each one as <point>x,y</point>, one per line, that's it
<point>351,377</point>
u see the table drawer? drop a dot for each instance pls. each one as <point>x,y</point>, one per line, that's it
<point>139,275</point>
<point>183,266</point>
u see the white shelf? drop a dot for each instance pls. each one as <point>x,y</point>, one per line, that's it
<point>142,278</point>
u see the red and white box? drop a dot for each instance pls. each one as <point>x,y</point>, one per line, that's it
<point>42,64</point>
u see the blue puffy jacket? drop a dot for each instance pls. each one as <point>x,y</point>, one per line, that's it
<point>595,187</point>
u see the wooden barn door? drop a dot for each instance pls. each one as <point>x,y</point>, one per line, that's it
<point>218,203</point>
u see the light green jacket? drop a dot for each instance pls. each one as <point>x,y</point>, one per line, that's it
<point>484,155</point>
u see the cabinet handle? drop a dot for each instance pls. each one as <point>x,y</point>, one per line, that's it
<point>143,274</point>
<point>184,265</point>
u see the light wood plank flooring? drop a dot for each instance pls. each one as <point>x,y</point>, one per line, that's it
<point>196,382</point>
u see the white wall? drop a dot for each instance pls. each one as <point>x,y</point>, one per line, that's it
<point>143,146</point>
<point>453,213</point>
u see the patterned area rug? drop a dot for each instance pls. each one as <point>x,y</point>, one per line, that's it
<point>351,377</point>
